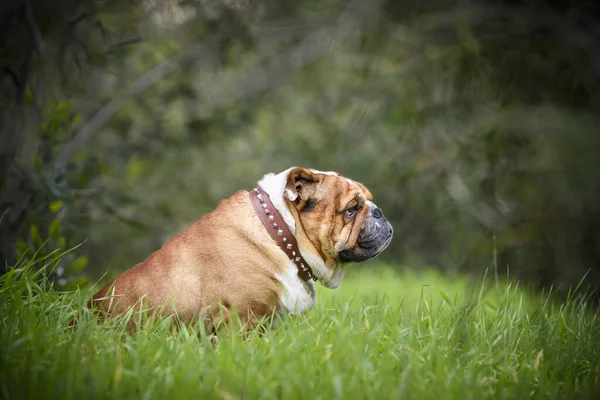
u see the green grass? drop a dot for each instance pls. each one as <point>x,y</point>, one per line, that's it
<point>382,335</point>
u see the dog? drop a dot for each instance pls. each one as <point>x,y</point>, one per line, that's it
<point>258,254</point>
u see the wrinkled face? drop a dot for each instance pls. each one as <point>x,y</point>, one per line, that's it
<point>338,216</point>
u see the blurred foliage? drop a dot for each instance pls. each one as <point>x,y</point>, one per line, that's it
<point>46,48</point>
<point>473,123</point>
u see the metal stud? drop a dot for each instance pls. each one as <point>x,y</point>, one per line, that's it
<point>266,211</point>
<point>289,246</point>
<point>259,196</point>
<point>275,224</point>
<point>297,258</point>
<point>264,206</point>
<point>285,239</point>
<point>256,190</point>
<point>280,232</point>
<point>293,253</point>
<point>271,218</point>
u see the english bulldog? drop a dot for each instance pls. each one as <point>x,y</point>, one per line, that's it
<point>258,254</point>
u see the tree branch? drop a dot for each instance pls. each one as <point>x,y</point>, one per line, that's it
<point>108,110</point>
<point>35,30</point>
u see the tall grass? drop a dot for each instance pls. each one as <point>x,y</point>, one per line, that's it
<point>382,335</point>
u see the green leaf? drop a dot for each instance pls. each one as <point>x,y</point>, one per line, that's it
<point>54,229</point>
<point>76,120</point>
<point>56,205</point>
<point>34,233</point>
<point>79,264</point>
<point>80,283</point>
<point>22,248</point>
<point>135,168</point>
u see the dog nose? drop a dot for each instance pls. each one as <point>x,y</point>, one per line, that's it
<point>377,213</point>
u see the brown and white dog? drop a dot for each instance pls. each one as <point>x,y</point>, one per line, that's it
<point>239,258</point>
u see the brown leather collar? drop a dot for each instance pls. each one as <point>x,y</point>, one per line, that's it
<point>279,231</point>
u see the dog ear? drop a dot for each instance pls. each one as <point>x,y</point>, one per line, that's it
<point>300,184</point>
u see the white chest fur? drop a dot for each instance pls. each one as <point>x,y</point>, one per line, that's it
<point>297,296</point>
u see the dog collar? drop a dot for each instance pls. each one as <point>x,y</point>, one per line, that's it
<point>279,231</point>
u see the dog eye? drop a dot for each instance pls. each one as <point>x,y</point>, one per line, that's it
<point>350,212</point>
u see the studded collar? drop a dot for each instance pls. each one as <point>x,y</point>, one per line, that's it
<point>279,231</point>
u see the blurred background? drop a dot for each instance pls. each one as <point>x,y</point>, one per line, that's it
<point>474,124</point>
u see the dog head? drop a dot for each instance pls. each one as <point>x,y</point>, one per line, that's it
<point>333,217</point>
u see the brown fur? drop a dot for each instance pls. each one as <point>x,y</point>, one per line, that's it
<point>181,276</point>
